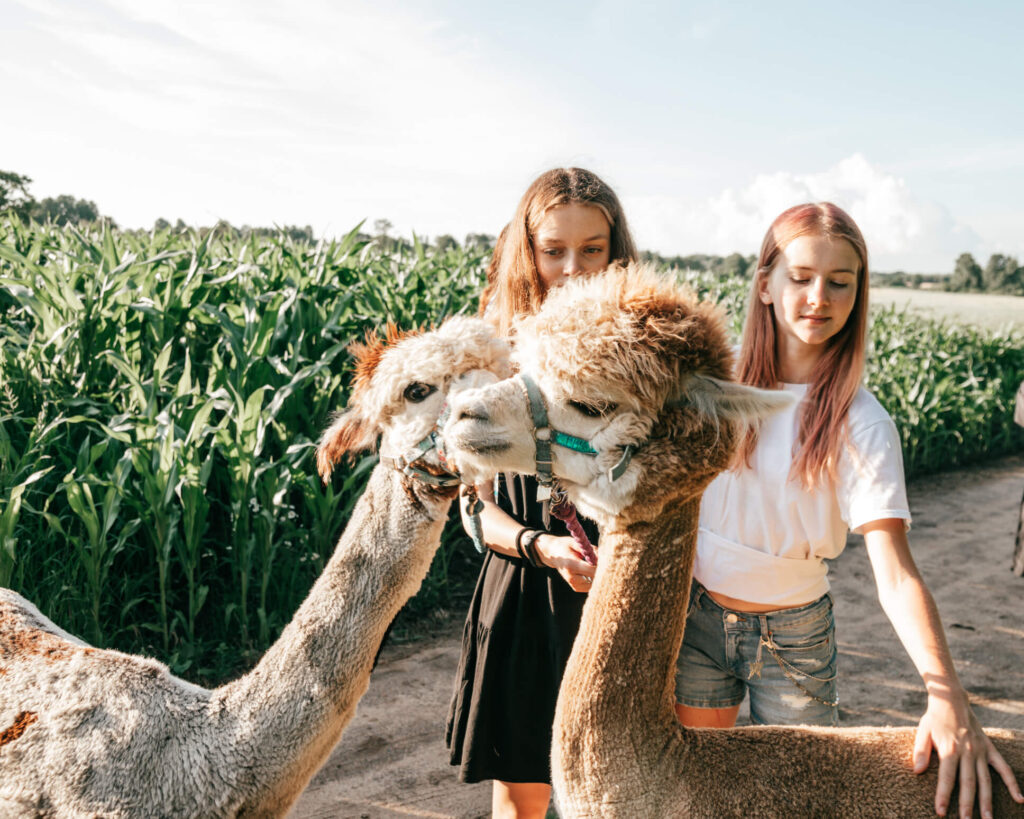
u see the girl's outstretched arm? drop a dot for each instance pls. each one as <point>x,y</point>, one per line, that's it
<point>948,725</point>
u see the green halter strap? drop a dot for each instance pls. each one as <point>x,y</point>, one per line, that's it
<point>545,436</point>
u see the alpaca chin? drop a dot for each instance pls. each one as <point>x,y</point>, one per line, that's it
<point>603,500</point>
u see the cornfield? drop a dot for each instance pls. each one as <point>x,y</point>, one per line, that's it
<point>161,397</point>
<point>161,394</point>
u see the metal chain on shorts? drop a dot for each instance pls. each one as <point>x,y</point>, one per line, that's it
<point>785,665</point>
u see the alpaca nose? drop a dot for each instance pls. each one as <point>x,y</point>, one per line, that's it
<point>471,413</point>
<point>466,407</point>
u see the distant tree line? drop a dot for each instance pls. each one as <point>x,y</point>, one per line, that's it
<point>60,210</point>
<point>298,233</point>
<point>729,266</point>
<point>381,235</point>
<point>1002,275</point>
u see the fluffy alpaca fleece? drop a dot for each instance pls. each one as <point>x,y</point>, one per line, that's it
<point>623,358</point>
<point>91,732</point>
<point>653,359</point>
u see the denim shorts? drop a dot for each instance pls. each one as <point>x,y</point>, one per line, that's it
<point>786,659</point>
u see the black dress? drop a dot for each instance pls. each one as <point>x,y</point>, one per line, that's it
<point>519,631</point>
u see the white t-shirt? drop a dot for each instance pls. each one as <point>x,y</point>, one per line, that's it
<point>763,537</point>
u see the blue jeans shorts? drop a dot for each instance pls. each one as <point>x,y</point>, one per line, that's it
<point>786,659</point>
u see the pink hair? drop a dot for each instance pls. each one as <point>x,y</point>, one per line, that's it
<point>837,375</point>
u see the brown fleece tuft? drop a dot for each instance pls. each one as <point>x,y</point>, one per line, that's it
<point>20,641</point>
<point>630,332</point>
<point>347,435</point>
<point>369,353</point>
<point>350,432</point>
<point>21,722</point>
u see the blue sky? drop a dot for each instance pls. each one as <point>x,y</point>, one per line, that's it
<point>707,118</point>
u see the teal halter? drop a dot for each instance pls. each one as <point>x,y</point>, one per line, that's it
<point>544,436</point>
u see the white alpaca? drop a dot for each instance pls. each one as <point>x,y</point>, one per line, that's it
<point>88,732</point>
<point>626,360</point>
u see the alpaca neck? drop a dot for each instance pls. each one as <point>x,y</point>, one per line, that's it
<point>610,711</point>
<point>292,707</point>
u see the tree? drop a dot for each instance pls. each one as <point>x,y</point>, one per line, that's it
<point>479,241</point>
<point>299,234</point>
<point>733,265</point>
<point>445,242</point>
<point>1000,274</point>
<point>966,275</point>
<point>65,209</point>
<point>381,228</point>
<point>14,195</point>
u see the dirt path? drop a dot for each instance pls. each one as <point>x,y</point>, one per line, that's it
<point>392,761</point>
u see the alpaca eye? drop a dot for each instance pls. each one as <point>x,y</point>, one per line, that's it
<point>590,410</point>
<point>418,391</point>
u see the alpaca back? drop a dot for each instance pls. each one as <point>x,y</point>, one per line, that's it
<point>71,716</point>
<point>801,771</point>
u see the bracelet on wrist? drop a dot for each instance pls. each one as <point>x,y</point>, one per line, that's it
<point>519,543</point>
<point>530,547</point>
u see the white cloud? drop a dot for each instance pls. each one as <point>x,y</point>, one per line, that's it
<point>316,112</point>
<point>903,232</point>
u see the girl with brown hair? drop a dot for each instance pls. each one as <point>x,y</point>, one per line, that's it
<point>526,607</point>
<point>760,614</point>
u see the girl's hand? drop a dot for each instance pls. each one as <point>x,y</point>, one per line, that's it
<point>957,737</point>
<point>561,554</point>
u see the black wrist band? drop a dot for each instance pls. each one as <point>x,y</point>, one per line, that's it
<point>530,547</point>
<point>519,543</point>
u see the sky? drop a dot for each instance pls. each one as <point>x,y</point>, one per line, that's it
<point>707,118</point>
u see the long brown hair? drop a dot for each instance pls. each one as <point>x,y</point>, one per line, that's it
<point>514,286</point>
<point>837,375</point>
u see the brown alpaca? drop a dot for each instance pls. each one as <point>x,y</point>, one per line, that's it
<point>626,358</point>
<point>88,732</point>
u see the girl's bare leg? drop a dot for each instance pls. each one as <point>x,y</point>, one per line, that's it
<point>520,800</point>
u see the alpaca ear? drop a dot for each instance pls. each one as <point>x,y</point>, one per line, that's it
<point>729,401</point>
<point>349,432</point>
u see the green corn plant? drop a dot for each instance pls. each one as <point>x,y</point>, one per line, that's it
<point>240,441</point>
<point>96,549</point>
<point>156,466</point>
<point>20,458</point>
<point>273,483</point>
<point>328,509</point>
<point>194,466</point>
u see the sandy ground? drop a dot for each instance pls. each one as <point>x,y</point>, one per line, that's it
<point>392,761</point>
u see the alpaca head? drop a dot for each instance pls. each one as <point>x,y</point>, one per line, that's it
<point>402,383</point>
<point>626,357</point>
